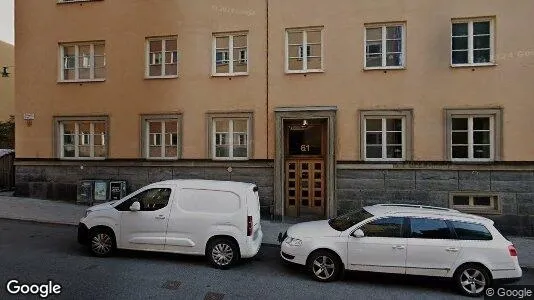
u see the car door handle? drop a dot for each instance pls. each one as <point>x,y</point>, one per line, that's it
<point>400,247</point>
<point>452,249</point>
<point>160,217</point>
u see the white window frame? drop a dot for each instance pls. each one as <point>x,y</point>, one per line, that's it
<point>384,26</point>
<point>78,143</point>
<point>230,54</point>
<point>230,119</point>
<point>494,207</point>
<point>163,136</point>
<point>163,64</point>
<point>384,137</point>
<point>304,44</point>
<point>470,42</point>
<point>470,138</point>
<point>76,68</point>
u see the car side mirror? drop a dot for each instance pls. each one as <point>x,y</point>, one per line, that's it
<point>136,206</point>
<point>358,233</point>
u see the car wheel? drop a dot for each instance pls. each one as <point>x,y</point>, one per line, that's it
<point>222,253</point>
<point>324,266</point>
<point>472,280</point>
<point>102,242</point>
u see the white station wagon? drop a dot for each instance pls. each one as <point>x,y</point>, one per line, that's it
<point>405,239</point>
<point>219,219</point>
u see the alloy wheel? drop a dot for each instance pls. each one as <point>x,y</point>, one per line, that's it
<point>101,244</point>
<point>323,267</point>
<point>473,281</point>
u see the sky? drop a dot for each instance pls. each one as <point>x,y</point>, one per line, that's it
<point>7,21</point>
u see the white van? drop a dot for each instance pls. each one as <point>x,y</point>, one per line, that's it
<point>219,219</point>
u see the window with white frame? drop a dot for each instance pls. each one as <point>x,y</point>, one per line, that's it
<point>83,139</point>
<point>230,138</point>
<point>472,42</point>
<point>161,57</point>
<point>230,54</point>
<point>473,202</point>
<point>384,138</point>
<point>161,137</point>
<point>83,62</point>
<point>384,46</point>
<point>472,137</point>
<point>298,60</point>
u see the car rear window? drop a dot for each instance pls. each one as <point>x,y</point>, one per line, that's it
<point>471,231</point>
<point>423,228</point>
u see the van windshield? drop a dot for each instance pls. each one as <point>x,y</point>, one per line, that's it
<point>344,222</point>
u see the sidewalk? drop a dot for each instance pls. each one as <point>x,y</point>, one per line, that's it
<point>58,212</point>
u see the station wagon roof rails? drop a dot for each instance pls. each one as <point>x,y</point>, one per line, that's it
<point>418,206</point>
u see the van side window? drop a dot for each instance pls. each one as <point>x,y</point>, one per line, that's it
<point>386,227</point>
<point>150,200</point>
<point>471,231</point>
<point>423,228</point>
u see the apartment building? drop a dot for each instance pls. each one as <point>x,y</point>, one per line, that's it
<point>7,81</point>
<point>327,107</point>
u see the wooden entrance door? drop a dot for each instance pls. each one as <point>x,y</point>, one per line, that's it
<point>305,192</point>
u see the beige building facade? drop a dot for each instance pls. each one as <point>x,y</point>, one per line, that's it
<point>327,107</point>
<point>7,81</point>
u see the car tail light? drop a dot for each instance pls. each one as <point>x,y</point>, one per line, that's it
<point>512,250</point>
<point>249,226</point>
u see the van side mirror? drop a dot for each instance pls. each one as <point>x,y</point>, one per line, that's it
<point>358,233</point>
<point>136,206</point>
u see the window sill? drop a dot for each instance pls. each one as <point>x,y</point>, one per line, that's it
<point>384,160</point>
<point>474,210</point>
<point>472,160</point>
<point>290,72</point>
<point>473,65</point>
<point>229,159</point>
<point>75,1</point>
<point>81,81</point>
<point>229,74</point>
<point>82,158</point>
<point>162,158</point>
<point>161,77</point>
<point>383,68</point>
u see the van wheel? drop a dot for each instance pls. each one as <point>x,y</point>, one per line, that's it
<point>324,266</point>
<point>102,242</point>
<point>222,253</point>
<point>472,280</point>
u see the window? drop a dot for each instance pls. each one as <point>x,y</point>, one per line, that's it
<point>384,46</point>
<point>345,221</point>
<point>230,54</point>
<point>386,227</point>
<point>82,139</point>
<point>385,135</point>
<point>472,42</point>
<point>482,203</point>
<point>298,60</point>
<point>423,228</point>
<point>230,138</point>
<point>83,62</point>
<point>161,57</point>
<point>474,135</point>
<point>161,136</point>
<point>150,200</point>
<point>471,231</point>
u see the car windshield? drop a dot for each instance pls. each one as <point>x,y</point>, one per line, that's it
<point>344,222</point>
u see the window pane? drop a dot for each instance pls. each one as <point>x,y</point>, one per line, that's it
<point>314,37</point>
<point>222,42</point>
<point>374,34</point>
<point>68,151</point>
<point>460,57</point>
<point>295,51</point>
<point>459,29</point>
<point>481,27</point>
<point>240,151</point>
<point>240,125</point>
<point>394,151</point>
<point>154,127</point>
<point>483,201</point>
<point>222,151</point>
<point>314,50</point>
<point>295,64</point>
<point>373,138</point>
<point>171,45</point>
<point>394,138</point>
<point>100,49</point>
<point>155,70</point>
<point>394,125</point>
<point>394,32</point>
<point>481,137</point>
<point>373,124</point>
<point>154,199</point>
<point>240,41</point>
<point>459,123</point>
<point>460,43</point>
<point>481,42</point>
<point>460,152</point>
<point>171,127</point>
<point>155,46</point>
<point>460,200</point>
<point>481,56</point>
<point>84,151</point>
<point>459,138</point>
<point>154,151</point>
<point>100,151</point>
<point>481,151</point>
<point>295,38</point>
<point>373,152</point>
<point>394,60</point>
<point>374,47</point>
<point>429,229</point>
<point>314,63</point>
<point>171,151</point>
<point>100,61</point>
<point>470,231</point>
<point>374,61</point>
<point>171,69</point>
<point>387,227</point>
<point>222,125</point>
<point>394,46</point>
<point>481,123</point>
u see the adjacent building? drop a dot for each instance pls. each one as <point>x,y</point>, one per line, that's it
<point>327,107</point>
<point>7,81</point>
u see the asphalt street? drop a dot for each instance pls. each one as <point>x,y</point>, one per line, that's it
<point>36,253</point>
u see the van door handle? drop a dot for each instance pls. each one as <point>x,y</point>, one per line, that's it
<point>160,217</point>
<point>400,247</point>
<point>452,249</point>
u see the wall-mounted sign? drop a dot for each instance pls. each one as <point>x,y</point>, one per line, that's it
<point>29,116</point>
